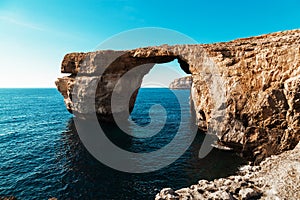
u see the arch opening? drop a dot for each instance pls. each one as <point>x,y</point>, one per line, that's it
<point>158,105</point>
<point>125,76</point>
<point>163,74</point>
<point>164,120</point>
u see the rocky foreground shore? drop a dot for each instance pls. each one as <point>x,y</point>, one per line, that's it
<point>277,177</point>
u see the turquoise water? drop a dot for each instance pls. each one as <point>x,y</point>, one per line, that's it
<point>41,155</point>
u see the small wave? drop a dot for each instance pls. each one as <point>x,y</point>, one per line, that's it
<point>7,133</point>
<point>14,120</point>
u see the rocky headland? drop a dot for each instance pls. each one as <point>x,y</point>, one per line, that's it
<point>181,83</point>
<point>245,92</point>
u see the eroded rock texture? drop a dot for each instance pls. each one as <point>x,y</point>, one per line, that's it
<point>247,91</point>
<point>181,83</point>
<point>277,177</point>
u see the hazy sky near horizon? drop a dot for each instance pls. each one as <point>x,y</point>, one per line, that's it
<point>35,35</point>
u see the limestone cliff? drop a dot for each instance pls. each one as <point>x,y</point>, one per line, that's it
<point>246,91</point>
<point>181,83</point>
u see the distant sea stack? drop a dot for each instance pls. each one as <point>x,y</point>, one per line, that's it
<point>246,90</point>
<point>182,83</point>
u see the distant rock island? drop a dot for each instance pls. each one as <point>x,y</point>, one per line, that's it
<point>182,83</point>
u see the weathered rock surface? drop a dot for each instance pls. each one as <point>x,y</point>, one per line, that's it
<point>277,177</point>
<point>246,92</point>
<point>181,83</point>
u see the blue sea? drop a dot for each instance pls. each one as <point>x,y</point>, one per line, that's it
<point>41,155</point>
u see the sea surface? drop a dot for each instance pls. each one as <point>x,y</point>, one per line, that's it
<point>41,155</point>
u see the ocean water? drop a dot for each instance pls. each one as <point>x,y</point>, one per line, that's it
<point>41,155</point>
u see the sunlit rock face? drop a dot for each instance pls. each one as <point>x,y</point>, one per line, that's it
<point>246,91</point>
<point>181,83</point>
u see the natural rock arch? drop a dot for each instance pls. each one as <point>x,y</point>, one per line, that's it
<point>107,68</point>
<point>260,77</point>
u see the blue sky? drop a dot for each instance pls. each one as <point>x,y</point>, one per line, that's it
<point>35,35</point>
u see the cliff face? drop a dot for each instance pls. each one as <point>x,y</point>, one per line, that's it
<point>181,83</point>
<point>246,92</point>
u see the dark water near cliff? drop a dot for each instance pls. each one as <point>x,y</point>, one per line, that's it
<point>41,155</point>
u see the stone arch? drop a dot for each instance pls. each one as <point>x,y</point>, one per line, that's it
<point>107,67</point>
<point>261,78</point>
<point>127,62</point>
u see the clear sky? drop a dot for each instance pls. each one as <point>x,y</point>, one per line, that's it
<point>36,34</point>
